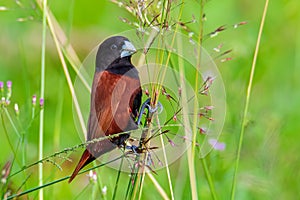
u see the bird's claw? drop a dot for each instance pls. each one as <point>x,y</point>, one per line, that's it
<point>147,105</point>
<point>133,148</point>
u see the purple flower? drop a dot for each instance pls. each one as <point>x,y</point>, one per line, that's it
<point>1,85</point>
<point>220,146</point>
<point>9,84</point>
<point>41,102</point>
<point>171,142</point>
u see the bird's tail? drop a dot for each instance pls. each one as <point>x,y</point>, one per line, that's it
<point>85,159</point>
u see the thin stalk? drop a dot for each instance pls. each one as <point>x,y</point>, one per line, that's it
<point>158,187</point>
<point>67,75</point>
<point>60,180</point>
<point>192,150</point>
<point>185,111</point>
<point>11,122</point>
<point>58,115</point>
<point>209,178</point>
<point>64,151</point>
<point>165,158</point>
<point>7,137</point>
<point>118,179</point>
<point>99,183</point>
<point>66,47</point>
<point>41,128</point>
<point>142,181</point>
<point>248,94</point>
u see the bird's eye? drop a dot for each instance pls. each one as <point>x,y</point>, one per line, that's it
<point>113,47</point>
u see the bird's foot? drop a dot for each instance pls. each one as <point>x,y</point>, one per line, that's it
<point>133,148</point>
<point>146,105</point>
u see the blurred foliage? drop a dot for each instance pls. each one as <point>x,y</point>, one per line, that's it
<point>269,167</point>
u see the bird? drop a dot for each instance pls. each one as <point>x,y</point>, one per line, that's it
<point>115,99</point>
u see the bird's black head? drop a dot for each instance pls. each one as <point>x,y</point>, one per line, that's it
<point>113,50</point>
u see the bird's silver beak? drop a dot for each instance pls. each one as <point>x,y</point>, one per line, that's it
<point>127,49</point>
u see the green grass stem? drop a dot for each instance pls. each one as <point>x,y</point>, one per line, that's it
<point>248,94</point>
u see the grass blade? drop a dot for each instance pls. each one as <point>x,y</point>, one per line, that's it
<point>41,127</point>
<point>248,94</point>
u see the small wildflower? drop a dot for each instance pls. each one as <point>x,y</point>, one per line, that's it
<point>7,102</point>
<point>171,142</point>
<point>93,176</point>
<point>3,8</point>
<point>175,118</point>
<point>220,146</point>
<point>9,84</point>
<point>41,102</point>
<point>184,137</point>
<point>202,130</point>
<point>136,164</point>
<point>208,107</point>
<point>104,190</point>
<point>34,100</point>
<point>17,111</point>
<point>3,101</point>
<point>1,85</point>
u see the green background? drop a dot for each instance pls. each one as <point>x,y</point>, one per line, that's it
<point>269,167</point>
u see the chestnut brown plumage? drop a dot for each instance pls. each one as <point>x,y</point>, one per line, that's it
<point>115,99</point>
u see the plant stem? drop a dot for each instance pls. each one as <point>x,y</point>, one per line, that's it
<point>158,187</point>
<point>166,159</point>
<point>41,128</point>
<point>248,94</point>
<point>65,69</point>
<point>118,179</point>
<point>60,180</point>
<point>192,152</point>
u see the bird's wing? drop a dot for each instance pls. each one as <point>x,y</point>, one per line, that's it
<point>108,92</point>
